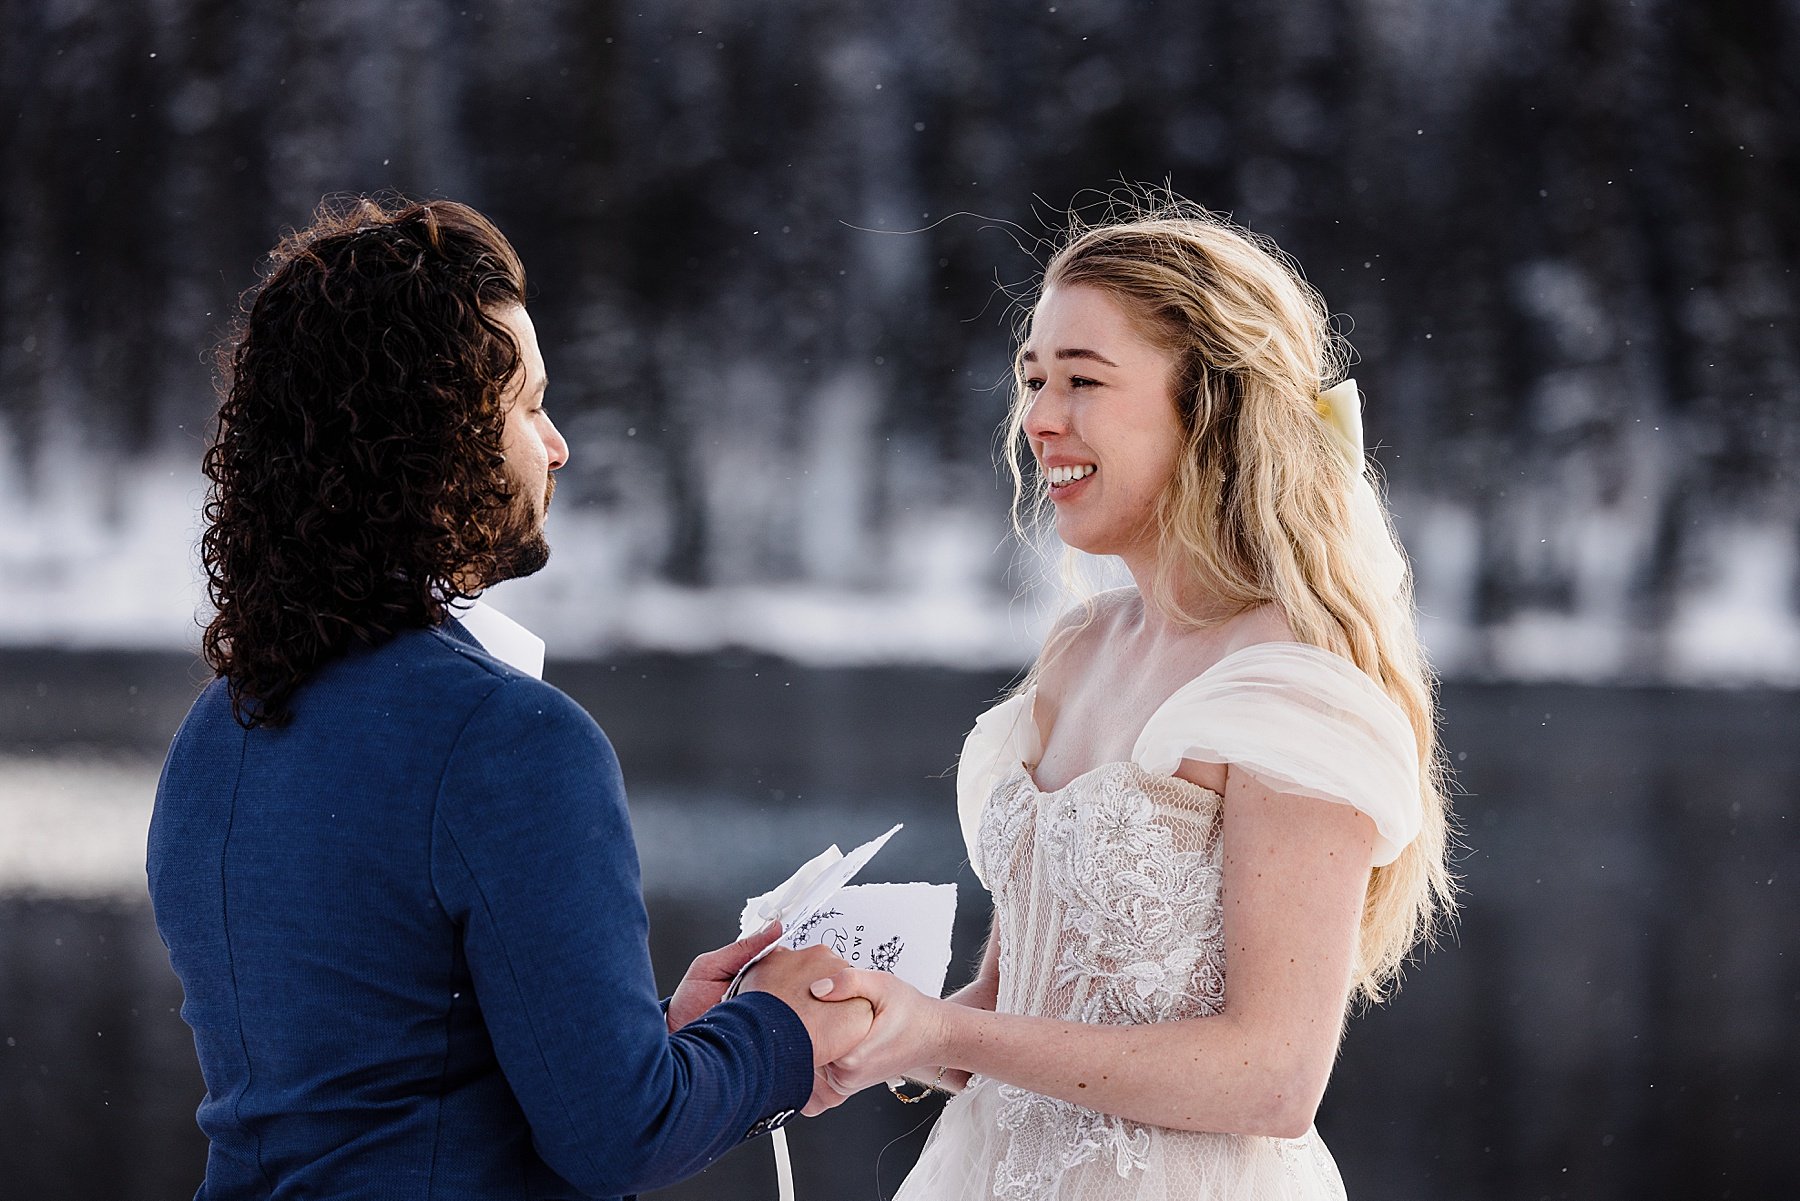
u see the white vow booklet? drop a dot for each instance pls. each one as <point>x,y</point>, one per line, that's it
<point>898,928</point>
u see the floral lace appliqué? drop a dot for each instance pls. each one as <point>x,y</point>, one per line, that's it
<point>1128,876</point>
<point>1066,1135</point>
<point>1139,889</point>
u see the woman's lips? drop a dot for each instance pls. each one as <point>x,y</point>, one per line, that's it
<point>1066,481</point>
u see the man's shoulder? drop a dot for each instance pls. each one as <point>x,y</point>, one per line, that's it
<point>428,676</point>
<point>461,668</point>
<point>426,685</point>
<point>431,653</point>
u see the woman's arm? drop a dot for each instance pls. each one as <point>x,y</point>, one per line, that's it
<point>982,993</point>
<point>1295,872</point>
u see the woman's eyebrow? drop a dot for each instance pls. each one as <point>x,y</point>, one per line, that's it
<point>1030,356</point>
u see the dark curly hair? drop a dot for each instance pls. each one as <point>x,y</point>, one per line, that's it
<point>358,480</point>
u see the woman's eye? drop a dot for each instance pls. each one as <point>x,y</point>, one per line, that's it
<point>1082,381</point>
<point>1032,385</point>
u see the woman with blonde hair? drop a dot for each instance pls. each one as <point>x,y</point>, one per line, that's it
<point>1213,815</point>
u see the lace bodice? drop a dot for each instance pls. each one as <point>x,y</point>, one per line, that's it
<point>1107,905</point>
<point>1108,893</point>
<point>1107,897</point>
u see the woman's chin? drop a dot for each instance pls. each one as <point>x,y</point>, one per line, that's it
<point>1086,541</point>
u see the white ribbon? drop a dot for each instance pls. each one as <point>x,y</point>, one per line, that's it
<point>1341,408</point>
<point>784,1167</point>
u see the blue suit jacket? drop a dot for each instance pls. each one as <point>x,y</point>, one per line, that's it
<point>415,952</point>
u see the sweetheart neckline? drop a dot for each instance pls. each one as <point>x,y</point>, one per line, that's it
<point>1024,770</point>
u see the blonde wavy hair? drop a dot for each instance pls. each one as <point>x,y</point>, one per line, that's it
<point>1259,508</point>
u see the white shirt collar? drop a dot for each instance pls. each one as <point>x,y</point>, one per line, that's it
<point>502,637</point>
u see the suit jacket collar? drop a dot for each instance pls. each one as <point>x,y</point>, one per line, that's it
<point>486,627</point>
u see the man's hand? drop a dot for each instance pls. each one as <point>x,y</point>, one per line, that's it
<point>835,1026</point>
<point>712,973</point>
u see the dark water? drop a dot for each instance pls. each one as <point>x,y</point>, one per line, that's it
<point>1613,1020</point>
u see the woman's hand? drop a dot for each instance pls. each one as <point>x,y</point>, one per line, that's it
<point>910,1030</point>
<point>823,1096</point>
<point>835,1029</point>
<point>712,973</point>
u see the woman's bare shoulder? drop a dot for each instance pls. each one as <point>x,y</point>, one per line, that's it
<point>1265,623</point>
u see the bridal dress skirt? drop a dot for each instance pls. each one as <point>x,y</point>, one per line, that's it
<point>997,1143</point>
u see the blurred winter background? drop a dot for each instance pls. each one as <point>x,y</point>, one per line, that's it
<point>769,244</point>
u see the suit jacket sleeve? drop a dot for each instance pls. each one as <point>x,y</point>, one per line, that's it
<point>532,855</point>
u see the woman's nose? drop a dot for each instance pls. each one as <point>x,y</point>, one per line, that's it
<point>1046,416</point>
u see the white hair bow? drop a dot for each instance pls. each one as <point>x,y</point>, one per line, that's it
<point>1341,408</point>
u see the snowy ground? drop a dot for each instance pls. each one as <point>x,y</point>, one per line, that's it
<point>74,826</point>
<point>115,567</point>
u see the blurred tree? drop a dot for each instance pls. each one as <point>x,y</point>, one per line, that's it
<point>773,244</point>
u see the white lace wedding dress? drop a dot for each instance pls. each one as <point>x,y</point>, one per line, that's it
<point>1106,894</point>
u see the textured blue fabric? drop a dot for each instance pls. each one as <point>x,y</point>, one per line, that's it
<point>415,953</point>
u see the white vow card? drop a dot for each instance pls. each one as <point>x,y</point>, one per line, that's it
<point>898,928</point>
<point>794,900</point>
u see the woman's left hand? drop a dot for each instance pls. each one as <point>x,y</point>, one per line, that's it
<point>910,1030</point>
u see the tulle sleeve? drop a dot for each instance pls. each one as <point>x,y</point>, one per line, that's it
<point>1002,740</point>
<point>1305,722</point>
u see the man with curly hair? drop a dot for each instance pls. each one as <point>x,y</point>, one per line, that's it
<point>393,868</point>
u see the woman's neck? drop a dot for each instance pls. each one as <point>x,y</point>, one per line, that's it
<point>1174,603</point>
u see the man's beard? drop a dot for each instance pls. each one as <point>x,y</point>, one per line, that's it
<point>523,549</point>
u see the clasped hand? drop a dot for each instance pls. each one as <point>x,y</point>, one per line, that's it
<point>866,1027</point>
<point>907,1032</point>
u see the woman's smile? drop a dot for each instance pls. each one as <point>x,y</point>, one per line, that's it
<point>1066,482</point>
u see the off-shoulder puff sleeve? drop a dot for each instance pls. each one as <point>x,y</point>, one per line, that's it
<point>1004,738</point>
<point>1305,722</point>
